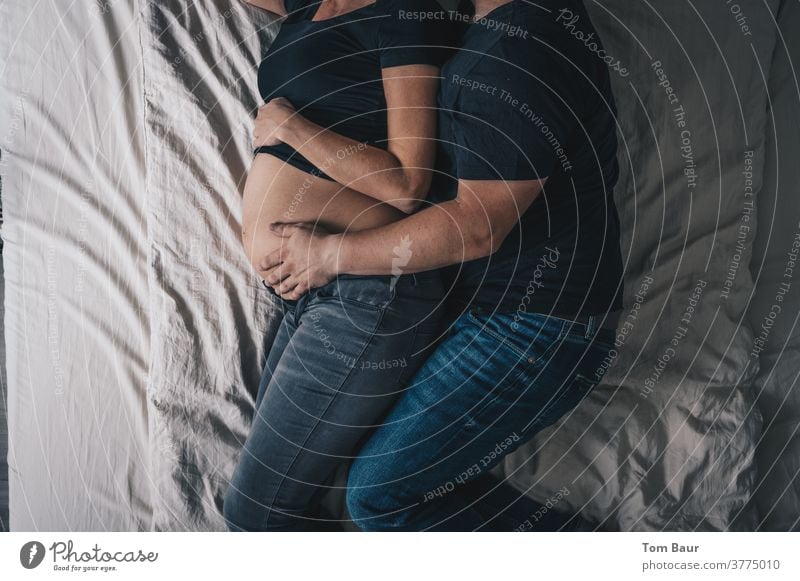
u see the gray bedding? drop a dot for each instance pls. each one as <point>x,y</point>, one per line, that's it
<point>775,307</point>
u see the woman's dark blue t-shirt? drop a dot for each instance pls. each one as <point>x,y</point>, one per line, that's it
<point>330,70</point>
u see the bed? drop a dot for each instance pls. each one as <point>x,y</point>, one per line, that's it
<point>135,329</point>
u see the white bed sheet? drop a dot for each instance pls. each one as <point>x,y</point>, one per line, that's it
<point>77,312</point>
<point>211,317</point>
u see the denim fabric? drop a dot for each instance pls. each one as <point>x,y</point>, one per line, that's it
<point>340,360</point>
<point>494,382</point>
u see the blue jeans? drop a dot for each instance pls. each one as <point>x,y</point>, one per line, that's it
<point>340,360</point>
<point>492,384</point>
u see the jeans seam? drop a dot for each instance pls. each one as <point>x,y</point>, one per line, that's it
<point>356,302</point>
<point>400,376</point>
<point>497,336</point>
<point>562,332</point>
<point>292,329</point>
<point>319,420</point>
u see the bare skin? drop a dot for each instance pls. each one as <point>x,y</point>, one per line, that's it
<point>276,191</point>
<point>274,6</point>
<point>381,185</point>
<point>471,226</point>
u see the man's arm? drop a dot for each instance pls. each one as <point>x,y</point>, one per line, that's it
<point>471,226</point>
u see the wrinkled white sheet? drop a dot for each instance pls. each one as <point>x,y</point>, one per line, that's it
<point>126,285</point>
<point>211,316</point>
<point>77,304</point>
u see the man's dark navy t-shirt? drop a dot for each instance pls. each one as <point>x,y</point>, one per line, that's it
<point>524,99</point>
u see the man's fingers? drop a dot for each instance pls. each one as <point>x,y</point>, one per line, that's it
<point>275,276</point>
<point>287,286</point>
<point>270,261</point>
<point>298,292</point>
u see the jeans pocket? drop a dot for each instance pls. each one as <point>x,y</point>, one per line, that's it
<point>533,342</point>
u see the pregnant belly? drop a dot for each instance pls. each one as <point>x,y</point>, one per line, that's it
<point>278,192</point>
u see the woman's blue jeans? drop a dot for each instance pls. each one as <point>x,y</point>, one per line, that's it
<point>495,381</point>
<point>341,358</point>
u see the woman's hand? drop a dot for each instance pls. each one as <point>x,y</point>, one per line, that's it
<point>271,120</point>
<point>305,260</point>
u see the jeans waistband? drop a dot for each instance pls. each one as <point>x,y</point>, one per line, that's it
<point>593,322</point>
<point>414,279</point>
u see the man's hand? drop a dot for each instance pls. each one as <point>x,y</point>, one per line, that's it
<point>271,120</point>
<point>305,260</point>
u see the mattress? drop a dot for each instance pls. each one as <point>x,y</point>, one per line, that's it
<point>136,330</point>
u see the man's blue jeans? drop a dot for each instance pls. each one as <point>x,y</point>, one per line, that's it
<point>492,384</point>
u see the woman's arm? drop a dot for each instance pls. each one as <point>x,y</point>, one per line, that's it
<point>274,6</point>
<point>399,175</point>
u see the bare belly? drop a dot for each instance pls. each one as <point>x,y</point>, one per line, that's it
<point>278,192</point>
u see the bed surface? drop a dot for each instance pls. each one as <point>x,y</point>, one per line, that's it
<point>77,304</point>
<point>668,439</point>
<point>777,491</point>
<point>135,328</point>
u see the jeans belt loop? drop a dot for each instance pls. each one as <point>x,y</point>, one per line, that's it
<point>596,322</point>
<point>591,326</point>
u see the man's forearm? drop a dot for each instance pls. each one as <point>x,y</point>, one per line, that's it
<point>435,237</point>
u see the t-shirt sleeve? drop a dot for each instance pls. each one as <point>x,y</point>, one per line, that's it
<point>511,126</point>
<point>413,32</point>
